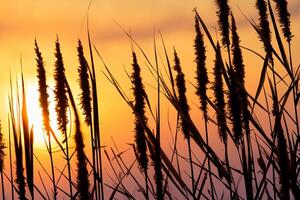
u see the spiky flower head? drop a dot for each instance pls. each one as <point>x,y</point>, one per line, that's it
<point>60,90</point>
<point>201,72</point>
<point>85,96</point>
<point>223,15</point>
<point>235,107</point>
<point>182,100</point>
<point>42,88</point>
<point>265,32</point>
<point>237,58</point>
<point>284,18</point>
<point>219,95</point>
<point>139,108</point>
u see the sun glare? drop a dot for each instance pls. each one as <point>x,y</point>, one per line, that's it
<point>35,115</point>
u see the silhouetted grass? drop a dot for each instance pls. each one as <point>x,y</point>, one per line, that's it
<point>260,143</point>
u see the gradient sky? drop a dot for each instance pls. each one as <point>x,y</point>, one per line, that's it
<point>21,21</point>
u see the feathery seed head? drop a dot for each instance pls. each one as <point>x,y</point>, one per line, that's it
<point>140,119</point>
<point>223,15</point>
<point>60,90</point>
<point>85,96</point>
<point>201,72</point>
<point>182,100</point>
<point>42,88</point>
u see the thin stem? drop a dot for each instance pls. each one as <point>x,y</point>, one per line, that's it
<point>10,162</point>
<point>68,163</point>
<point>52,167</point>
<point>209,167</point>
<point>191,165</point>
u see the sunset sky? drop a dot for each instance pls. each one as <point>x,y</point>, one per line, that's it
<point>23,21</point>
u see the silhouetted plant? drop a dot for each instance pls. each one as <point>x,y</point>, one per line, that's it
<point>265,33</point>
<point>223,15</point>
<point>139,108</point>
<point>44,103</point>
<point>85,96</point>
<point>83,182</point>
<point>42,88</point>
<point>219,101</point>
<point>16,127</point>
<point>28,142</point>
<point>201,72</point>
<point>60,91</point>
<point>284,18</point>
<point>182,100</point>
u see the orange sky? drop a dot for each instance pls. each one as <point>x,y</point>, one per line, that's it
<point>21,21</point>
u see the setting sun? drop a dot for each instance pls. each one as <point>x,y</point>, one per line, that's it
<point>35,115</point>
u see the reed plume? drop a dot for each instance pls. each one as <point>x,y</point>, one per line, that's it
<point>182,100</point>
<point>44,103</point>
<point>235,108</point>
<point>60,91</point>
<point>219,95</point>
<point>223,15</point>
<point>236,75</point>
<point>42,88</point>
<point>239,80</point>
<point>265,32</point>
<point>284,18</point>
<point>201,72</point>
<point>202,81</point>
<point>83,182</point>
<point>85,96</point>
<point>140,118</point>
<point>237,59</point>
<point>184,111</point>
<point>61,107</point>
<point>139,107</point>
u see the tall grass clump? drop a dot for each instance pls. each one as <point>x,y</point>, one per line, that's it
<point>96,125</point>
<point>256,157</point>
<point>83,182</point>
<point>61,107</point>
<point>18,146</point>
<point>28,142</point>
<point>141,119</point>
<point>184,107</point>
<point>44,103</point>
<point>202,82</point>
<point>85,102</point>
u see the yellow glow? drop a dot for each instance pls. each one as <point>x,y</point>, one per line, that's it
<point>35,115</point>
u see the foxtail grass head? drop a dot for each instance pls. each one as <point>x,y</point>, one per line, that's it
<point>284,18</point>
<point>264,28</point>
<point>85,96</point>
<point>201,72</point>
<point>219,101</point>
<point>139,109</point>
<point>182,100</point>
<point>223,15</point>
<point>60,90</point>
<point>42,88</point>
